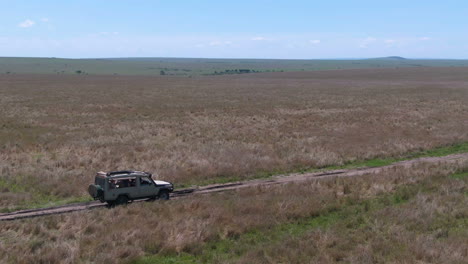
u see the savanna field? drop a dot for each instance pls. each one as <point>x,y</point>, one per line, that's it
<point>57,131</point>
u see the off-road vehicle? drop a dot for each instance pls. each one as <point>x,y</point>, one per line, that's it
<point>121,187</point>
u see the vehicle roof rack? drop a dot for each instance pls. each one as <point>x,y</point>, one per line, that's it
<point>110,173</point>
<point>124,172</point>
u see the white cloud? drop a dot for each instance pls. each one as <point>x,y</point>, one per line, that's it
<point>215,43</point>
<point>284,46</point>
<point>258,38</point>
<point>424,38</point>
<point>314,41</point>
<point>104,33</point>
<point>27,23</point>
<point>365,42</point>
<point>219,43</point>
<point>392,43</point>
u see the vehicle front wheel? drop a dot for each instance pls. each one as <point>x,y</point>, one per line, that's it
<point>122,199</point>
<point>164,195</point>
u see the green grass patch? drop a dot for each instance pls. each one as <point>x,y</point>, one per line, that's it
<point>49,201</point>
<point>354,214</point>
<point>181,258</point>
<point>38,199</point>
<point>45,201</point>
<point>378,162</point>
<point>460,175</point>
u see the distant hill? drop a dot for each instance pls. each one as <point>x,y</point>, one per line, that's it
<point>391,58</point>
<point>395,58</point>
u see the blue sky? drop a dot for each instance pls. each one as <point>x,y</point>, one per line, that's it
<point>234,29</point>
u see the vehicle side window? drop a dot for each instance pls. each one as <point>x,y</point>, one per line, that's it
<point>123,183</point>
<point>99,181</point>
<point>112,184</point>
<point>145,181</point>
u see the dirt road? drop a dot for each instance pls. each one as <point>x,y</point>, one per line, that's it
<point>280,179</point>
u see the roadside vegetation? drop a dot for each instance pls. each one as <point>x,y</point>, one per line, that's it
<point>39,200</point>
<point>415,214</point>
<point>57,131</point>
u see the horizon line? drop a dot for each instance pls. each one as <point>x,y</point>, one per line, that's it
<point>232,58</point>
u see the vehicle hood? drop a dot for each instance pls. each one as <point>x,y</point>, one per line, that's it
<point>162,182</point>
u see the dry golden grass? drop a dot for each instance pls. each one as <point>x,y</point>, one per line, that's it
<point>125,233</point>
<point>430,228</point>
<point>56,131</point>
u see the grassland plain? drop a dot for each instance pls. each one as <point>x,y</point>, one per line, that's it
<point>57,130</point>
<point>403,214</point>
<point>185,67</point>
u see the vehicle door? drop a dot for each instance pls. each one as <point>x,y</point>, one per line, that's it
<point>122,186</point>
<point>146,187</point>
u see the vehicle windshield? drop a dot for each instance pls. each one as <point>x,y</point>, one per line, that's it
<point>145,181</point>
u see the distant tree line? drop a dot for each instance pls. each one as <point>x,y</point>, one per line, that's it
<point>234,71</point>
<point>241,71</point>
<point>81,72</point>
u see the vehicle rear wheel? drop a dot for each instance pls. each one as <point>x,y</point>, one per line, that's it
<point>164,195</point>
<point>122,199</point>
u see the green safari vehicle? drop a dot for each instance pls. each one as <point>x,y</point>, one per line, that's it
<point>121,187</point>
